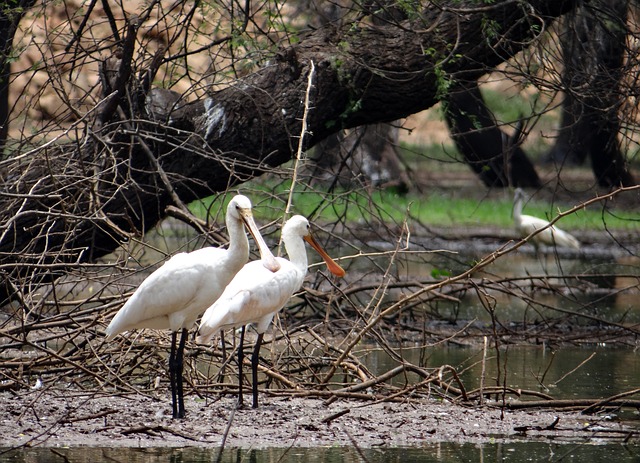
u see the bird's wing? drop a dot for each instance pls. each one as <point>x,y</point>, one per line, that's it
<point>223,314</point>
<point>178,285</point>
<point>551,235</point>
<point>254,293</point>
<point>530,224</point>
<point>562,238</point>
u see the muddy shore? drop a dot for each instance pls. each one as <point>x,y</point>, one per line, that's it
<point>55,419</point>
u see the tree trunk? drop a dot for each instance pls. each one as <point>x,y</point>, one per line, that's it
<point>10,14</point>
<point>364,156</point>
<point>68,204</point>
<point>497,159</point>
<point>593,48</point>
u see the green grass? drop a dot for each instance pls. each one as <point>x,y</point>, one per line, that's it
<point>438,209</point>
<point>453,212</point>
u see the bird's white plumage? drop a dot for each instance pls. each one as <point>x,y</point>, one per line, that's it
<point>178,292</point>
<point>256,294</point>
<point>253,296</point>
<point>175,294</point>
<point>526,224</point>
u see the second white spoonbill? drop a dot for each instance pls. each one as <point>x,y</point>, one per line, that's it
<point>256,294</point>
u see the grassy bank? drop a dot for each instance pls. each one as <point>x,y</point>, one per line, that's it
<point>449,198</point>
<point>441,208</point>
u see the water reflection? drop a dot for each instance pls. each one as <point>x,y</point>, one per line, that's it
<point>516,452</point>
<point>529,288</point>
<point>570,372</point>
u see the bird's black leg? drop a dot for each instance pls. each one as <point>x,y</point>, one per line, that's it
<point>255,358</point>
<point>172,374</point>
<point>179,373</point>
<point>240,360</point>
<point>224,357</point>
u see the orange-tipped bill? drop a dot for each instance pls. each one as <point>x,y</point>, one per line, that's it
<point>268,259</point>
<point>331,264</point>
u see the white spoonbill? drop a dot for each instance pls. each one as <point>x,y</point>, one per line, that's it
<point>175,294</point>
<point>256,294</point>
<point>526,224</point>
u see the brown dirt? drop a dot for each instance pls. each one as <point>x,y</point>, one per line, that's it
<point>59,418</point>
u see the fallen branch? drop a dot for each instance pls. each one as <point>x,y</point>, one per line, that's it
<point>153,430</point>
<point>572,403</point>
<point>334,416</point>
<point>611,400</point>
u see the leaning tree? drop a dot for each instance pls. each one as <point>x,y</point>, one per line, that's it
<point>597,77</point>
<point>135,141</point>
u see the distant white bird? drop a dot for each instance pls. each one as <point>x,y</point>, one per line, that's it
<point>256,294</point>
<point>175,295</point>
<point>526,224</point>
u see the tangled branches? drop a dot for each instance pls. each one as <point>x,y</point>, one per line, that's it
<point>323,342</point>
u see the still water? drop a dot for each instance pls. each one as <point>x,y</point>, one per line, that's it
<point>593,371</point>
<point>437,453</point>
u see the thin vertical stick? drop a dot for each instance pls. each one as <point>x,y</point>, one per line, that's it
<point>482,373</point>
<point>300,152</point>
<point>225,434</point>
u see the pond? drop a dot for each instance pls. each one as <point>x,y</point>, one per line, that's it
<point>515,452</point>
<point>593,371</point>
<point>524,286</point>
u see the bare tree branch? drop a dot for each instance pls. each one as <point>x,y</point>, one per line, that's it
<point>74,203</point>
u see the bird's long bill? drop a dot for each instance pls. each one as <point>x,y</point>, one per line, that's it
<point>268,259</point>
<point>331,264</point>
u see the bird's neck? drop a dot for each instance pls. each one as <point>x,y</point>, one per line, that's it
<point>238,242</point>
<point>297,252</point>
<point>517,211</point>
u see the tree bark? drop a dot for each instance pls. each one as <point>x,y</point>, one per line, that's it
<point>10,14</point>
<point>363,156</point>
<point>498,161</point>
<point>593,49</point>
<point>69,204</point>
